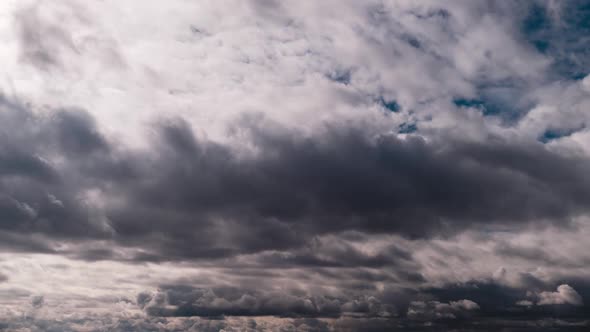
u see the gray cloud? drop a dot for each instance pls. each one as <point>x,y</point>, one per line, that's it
<point>341,180</point>
<point>291,201</point>
<point>292,187</point>
<point>37,301</point>
<point>321,166</point>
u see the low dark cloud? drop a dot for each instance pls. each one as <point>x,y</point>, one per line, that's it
<point>341,180</point>
<point>190,193</point>
<point>487,303</point>
<point>190,198</point>
<point>533,300</point>
<point>187,301</point>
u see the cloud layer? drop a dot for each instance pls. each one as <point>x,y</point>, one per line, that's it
<point>294,166</point>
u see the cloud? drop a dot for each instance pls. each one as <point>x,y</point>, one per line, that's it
<point>525,303</point>
<point>285,186</point>
<point>48,43</point>
<point>186,301</point>
<point>37,301</point>
<point>437,310</point>
<point>285,166</point>
<point>565,295</point>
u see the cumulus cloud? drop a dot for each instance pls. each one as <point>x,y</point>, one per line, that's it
<point>565,294</point>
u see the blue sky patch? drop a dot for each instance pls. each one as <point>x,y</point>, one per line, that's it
<point>552,134</point>
<point>564,41</point>
<point>487,108</point>
<point>504,101</point>
<point>391,105</point>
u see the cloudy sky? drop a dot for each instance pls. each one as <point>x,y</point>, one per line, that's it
<point>266,165</point>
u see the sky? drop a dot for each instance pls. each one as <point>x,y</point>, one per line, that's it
<point>266,165</point>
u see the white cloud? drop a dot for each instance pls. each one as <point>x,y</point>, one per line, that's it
<point>565,294</point>
<point>211,61</point>
<point>524,303</point>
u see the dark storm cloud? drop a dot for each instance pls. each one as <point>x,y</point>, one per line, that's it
<point>41,172</point>
<point>189,198</point>
<point>341,180</point>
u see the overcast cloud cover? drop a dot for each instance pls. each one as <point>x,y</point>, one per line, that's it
<point>265,165</point>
